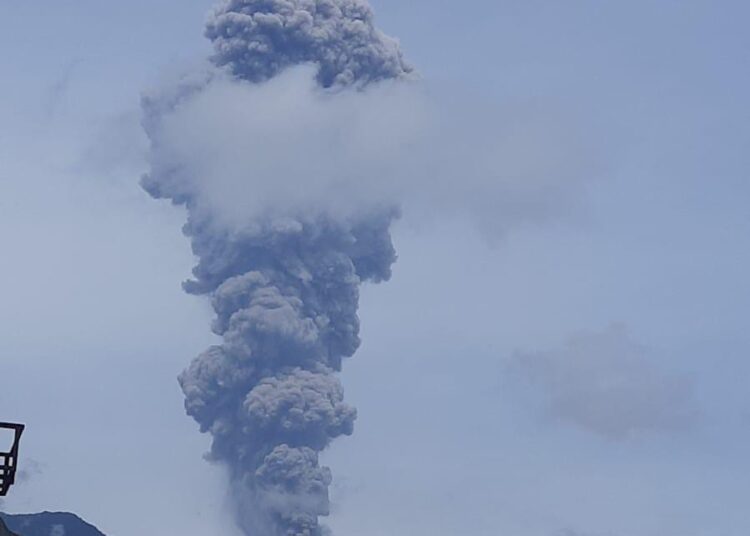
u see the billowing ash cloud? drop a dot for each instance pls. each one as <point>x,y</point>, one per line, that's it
<point>293,153</point>
<point>257,39</point>
<point>285,292</point>
<point>284,282</point>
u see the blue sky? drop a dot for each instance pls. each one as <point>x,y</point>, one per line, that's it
<point>585,375</point>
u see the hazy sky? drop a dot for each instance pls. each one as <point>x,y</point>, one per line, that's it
<point>583,375</point>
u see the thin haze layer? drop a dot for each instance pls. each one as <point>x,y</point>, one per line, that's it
<point>285,287</point>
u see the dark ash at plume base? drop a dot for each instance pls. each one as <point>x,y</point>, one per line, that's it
<point>285,286</point>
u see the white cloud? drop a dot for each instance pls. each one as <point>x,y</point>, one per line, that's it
<point>285,146</point>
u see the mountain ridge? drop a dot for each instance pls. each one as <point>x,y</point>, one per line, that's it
<point>46,524</point>
<point>4,530</point>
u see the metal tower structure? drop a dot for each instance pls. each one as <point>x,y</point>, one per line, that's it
<point>9,460</point>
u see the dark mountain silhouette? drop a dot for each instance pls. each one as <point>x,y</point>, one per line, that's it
<point>4,530</point>
<point>46,524</point>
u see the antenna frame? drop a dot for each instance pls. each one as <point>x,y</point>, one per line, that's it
<point>9,460</point>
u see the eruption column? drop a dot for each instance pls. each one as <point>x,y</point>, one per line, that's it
<point>285,285</point>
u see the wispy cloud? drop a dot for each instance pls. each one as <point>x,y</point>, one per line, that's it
<point>606,383</point>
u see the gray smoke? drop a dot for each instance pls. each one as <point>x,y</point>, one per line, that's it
<point>285,283</point>
<point>257,39</point>
<point>608,384</point>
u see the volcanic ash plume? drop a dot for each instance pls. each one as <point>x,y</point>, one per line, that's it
<point>285,282</point>
<point>257,39</point>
